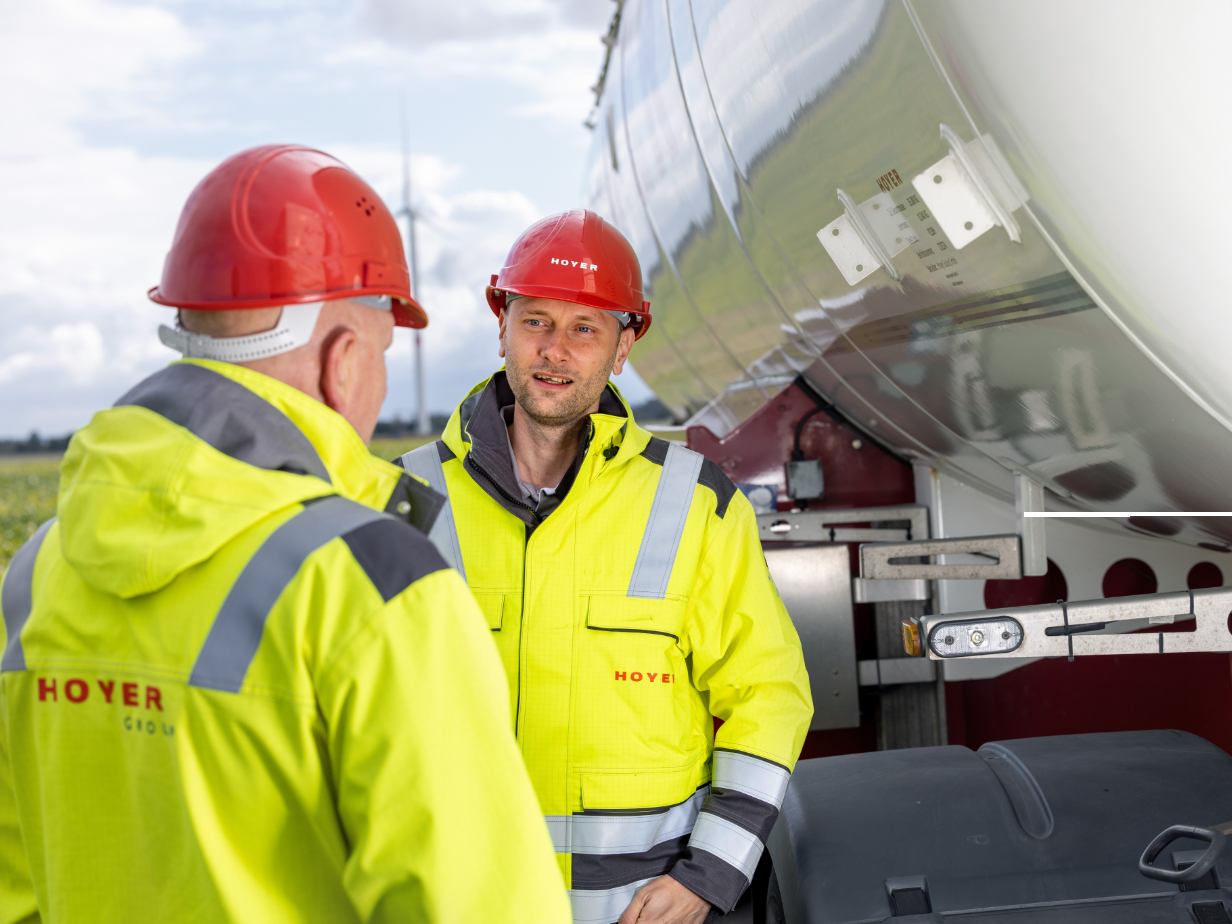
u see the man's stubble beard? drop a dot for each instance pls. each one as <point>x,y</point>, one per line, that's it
<point>579,400</point>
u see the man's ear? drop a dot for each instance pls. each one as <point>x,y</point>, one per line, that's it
<point>504,315</point>
<point>627,336</point>
<point>340,368</point>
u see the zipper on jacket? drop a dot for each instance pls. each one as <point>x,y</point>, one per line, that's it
<point>517,718</point>
<point>479,470</point>
<point>470,458</point>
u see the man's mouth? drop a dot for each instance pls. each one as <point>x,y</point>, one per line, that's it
<point>552,379</point>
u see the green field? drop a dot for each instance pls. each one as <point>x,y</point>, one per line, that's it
<point>27,498</point>
<point>391,449</point>
<point>28,492</point>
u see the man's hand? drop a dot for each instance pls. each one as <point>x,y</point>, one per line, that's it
<point>665,901</point>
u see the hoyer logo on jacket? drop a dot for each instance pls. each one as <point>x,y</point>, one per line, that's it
<point>77,690</point>
<point>639,677</point>
<point>580,264</point>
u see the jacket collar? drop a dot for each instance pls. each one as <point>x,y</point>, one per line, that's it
<point>478,433</point>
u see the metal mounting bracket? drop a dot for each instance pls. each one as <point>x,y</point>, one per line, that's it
<point>971,190</point>
<point>866,237</point>
<point>1091,627</point>
<point>883,559</point>
<point>1029,498</point>
<point>822,525</point>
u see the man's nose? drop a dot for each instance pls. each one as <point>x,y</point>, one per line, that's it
<point>554,347</point>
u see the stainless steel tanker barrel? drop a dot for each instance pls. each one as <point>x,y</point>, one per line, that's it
<point>989,231</point>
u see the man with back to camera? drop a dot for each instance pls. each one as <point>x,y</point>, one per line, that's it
<point>624,583</point>
<point>222,698</point>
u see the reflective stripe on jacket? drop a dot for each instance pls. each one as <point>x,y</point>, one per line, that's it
<point>234,689</point>
<point>630,616</point>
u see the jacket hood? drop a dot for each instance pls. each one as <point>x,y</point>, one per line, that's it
<point>193,456</point>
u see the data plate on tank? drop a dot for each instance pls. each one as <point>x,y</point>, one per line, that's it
<point>888,223</point>
<point>954,201</point>
<point>849,253</point>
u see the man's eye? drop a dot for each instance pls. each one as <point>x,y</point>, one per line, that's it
<point>585,330</point>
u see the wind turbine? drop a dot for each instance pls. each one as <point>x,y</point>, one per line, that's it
<point>423,424</point>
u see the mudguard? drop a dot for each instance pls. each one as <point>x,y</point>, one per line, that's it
<point>1047,829</point>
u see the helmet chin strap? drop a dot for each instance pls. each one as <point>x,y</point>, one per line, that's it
<point>294,329</point>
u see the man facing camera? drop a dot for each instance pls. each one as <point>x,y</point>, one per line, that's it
<point>623,580</point>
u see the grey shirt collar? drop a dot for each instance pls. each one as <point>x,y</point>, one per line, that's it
<point>490,461</point>
<point>531,494</point>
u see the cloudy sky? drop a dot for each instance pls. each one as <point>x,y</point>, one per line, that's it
<point>114,109</point>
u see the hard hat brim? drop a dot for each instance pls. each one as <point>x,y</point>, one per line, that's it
<point>406,311</point>
<point>640,322</point>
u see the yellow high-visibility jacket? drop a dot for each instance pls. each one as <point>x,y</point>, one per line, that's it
<point>630,609</point>
<point>224,696</point>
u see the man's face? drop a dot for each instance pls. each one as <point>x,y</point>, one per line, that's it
<point>559,355</point>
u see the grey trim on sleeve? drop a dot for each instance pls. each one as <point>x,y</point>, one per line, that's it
<point>426,463</point>
<point>393,554</point>
<point>234,637</point>
<point>235,421</point>
<point>665,526</point>
<point>728,841</point>
<point>709,475</point>
<point>752,814</point>
<point>713,477</point>
<point>656,450</point>
<point>17,597</point>
<point>711,877</point>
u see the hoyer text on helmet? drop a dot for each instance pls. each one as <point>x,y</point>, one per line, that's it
<point>585,266</point>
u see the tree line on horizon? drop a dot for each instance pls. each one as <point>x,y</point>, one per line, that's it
<point>647,412</point>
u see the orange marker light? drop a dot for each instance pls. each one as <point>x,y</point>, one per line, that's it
<point>911,638</point>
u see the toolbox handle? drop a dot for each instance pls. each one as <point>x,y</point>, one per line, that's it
<point>1215,836</point>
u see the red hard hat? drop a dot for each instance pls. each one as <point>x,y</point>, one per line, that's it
<point>574,257</point>
<point>280,225</point>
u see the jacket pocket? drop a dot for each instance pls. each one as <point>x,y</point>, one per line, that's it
<point>632,696</point>
<point>639,789</point>
<point>493,608</point>
<point>635,614</point>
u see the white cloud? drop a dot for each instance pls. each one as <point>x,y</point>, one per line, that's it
<point>550,48</point>
<point>65,60</point>
<point>426,22</point>
<point>83,238</point>
<point>115,110</point>
<point>84,228</point>
<point>74,351</point>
